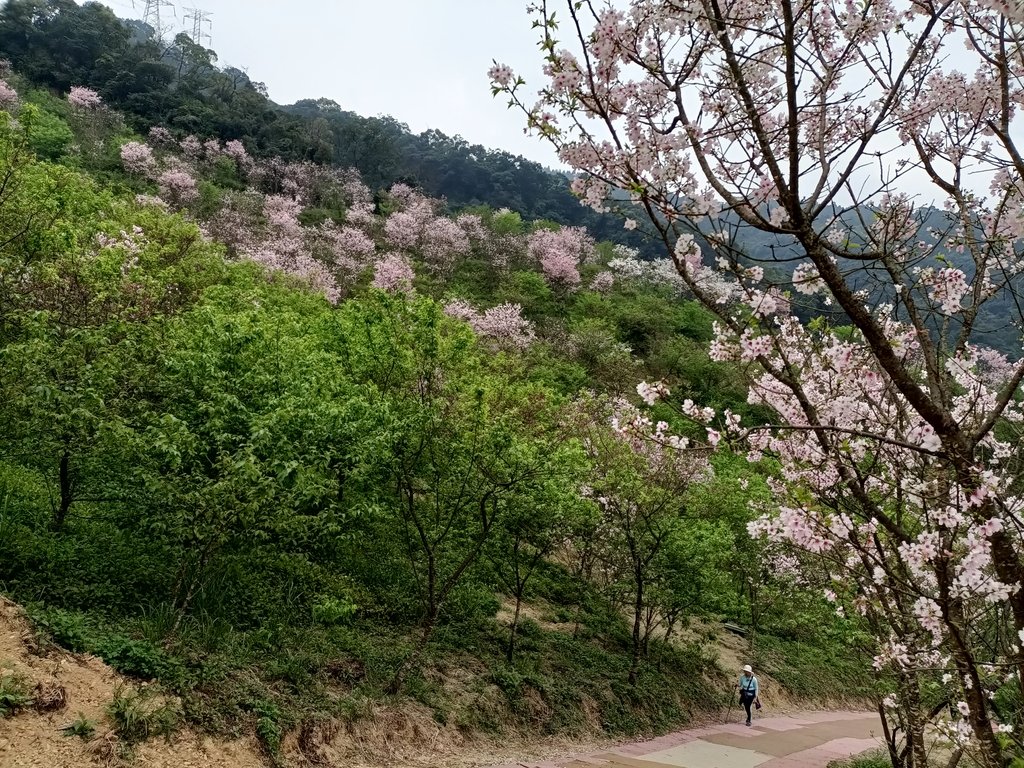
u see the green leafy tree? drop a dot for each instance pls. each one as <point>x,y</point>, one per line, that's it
<point>640,483</point>
<point>467,445</point>
<point>534,527</point>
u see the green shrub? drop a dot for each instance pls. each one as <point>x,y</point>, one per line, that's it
<point>14,694</point>
<point>268,725</point>
<point>48,135</point>
<point>139,658</point>
<point>82,727</point>
<point>329,611</point>
<point>139,714</point>
<point>873,759</point>
<point>69,629</point>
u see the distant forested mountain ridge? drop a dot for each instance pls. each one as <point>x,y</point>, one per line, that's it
<point>178,85</point>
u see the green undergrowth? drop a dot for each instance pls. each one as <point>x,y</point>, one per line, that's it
<point>873,759</point>
<point>816,671</point>
<point>263,651</point>
<point>270,681</point>
<point>14,694</point>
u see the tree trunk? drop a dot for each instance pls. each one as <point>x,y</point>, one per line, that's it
<point>989,752</point>
<point>1008,569</point>
<point>890,740</point>
<point>65,491</point>
<point>638,615</point>
<point>515,626</point>
<point>917,755</point>
<point>413,659</point>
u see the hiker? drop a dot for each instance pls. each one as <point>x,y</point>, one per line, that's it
<point>748,690</point>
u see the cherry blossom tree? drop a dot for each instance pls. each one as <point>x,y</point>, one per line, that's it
<point>602,282</point>
<point>8,96</point>
<point>161,137</point>
<point>393,273</point>
<point>504,324</point>
<point>192,147</point>
<point>560,253</point>
<point>348,248</point>
<point>177,187</point>
<point>236,149</point>
<point>282,246</point>
<point>84,98</point>
<point>237,223</point>
<point>872,151</point>
<point>416,227</point>
<point>137,158</point>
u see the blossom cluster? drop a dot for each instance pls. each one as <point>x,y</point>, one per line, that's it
<point>504,324</point>
<point>560,253</point>
<point>84,98</point>
<point>8,96</point>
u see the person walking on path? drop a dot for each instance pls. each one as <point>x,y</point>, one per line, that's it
<point>748,690</point>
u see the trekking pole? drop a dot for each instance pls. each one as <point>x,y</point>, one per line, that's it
<point>732,701</point>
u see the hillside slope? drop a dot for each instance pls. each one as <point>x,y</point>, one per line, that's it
<point>65,687</point>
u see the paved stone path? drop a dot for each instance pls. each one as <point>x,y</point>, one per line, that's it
<point>806,740</point>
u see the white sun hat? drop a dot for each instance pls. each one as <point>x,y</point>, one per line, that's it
<point>747,668</point>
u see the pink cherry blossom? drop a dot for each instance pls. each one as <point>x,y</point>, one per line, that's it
<point>417,228</point>
<point>504,324</point>
<point>8,96</point>
<point>560,254</point>
<point>151,200</point>
<point>84,98</point>
<point>361,216</point>
<point>602,282</point>
<point>137,158</point>
<point>177,187</point>
<point>393,273</point>
<point>192,147</point>
<point>501,74</point>
<point>160,136</point>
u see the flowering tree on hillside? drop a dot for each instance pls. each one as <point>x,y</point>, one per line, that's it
<point>83,98</point>
<point>822,130</point>
<point>417,227</point>
<point>137,158</point>
<point>8,96</point>
<point>560,253</point>
<point>503,324</point>
<point>639,476</point>
<point>177,187</point>
<point>393,273</point>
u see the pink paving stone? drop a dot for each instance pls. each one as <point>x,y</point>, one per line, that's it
<point>781,723</point>
<point>816,757</point>
<point>738,730</point>
<point>666,742</point>
<point>828,717</point>
<point>822,755</point>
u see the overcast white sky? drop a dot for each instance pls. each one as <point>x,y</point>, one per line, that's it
<point>423,62</point>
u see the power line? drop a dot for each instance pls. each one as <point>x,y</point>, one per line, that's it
<point>152,15</point>
<point>199,19</point>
